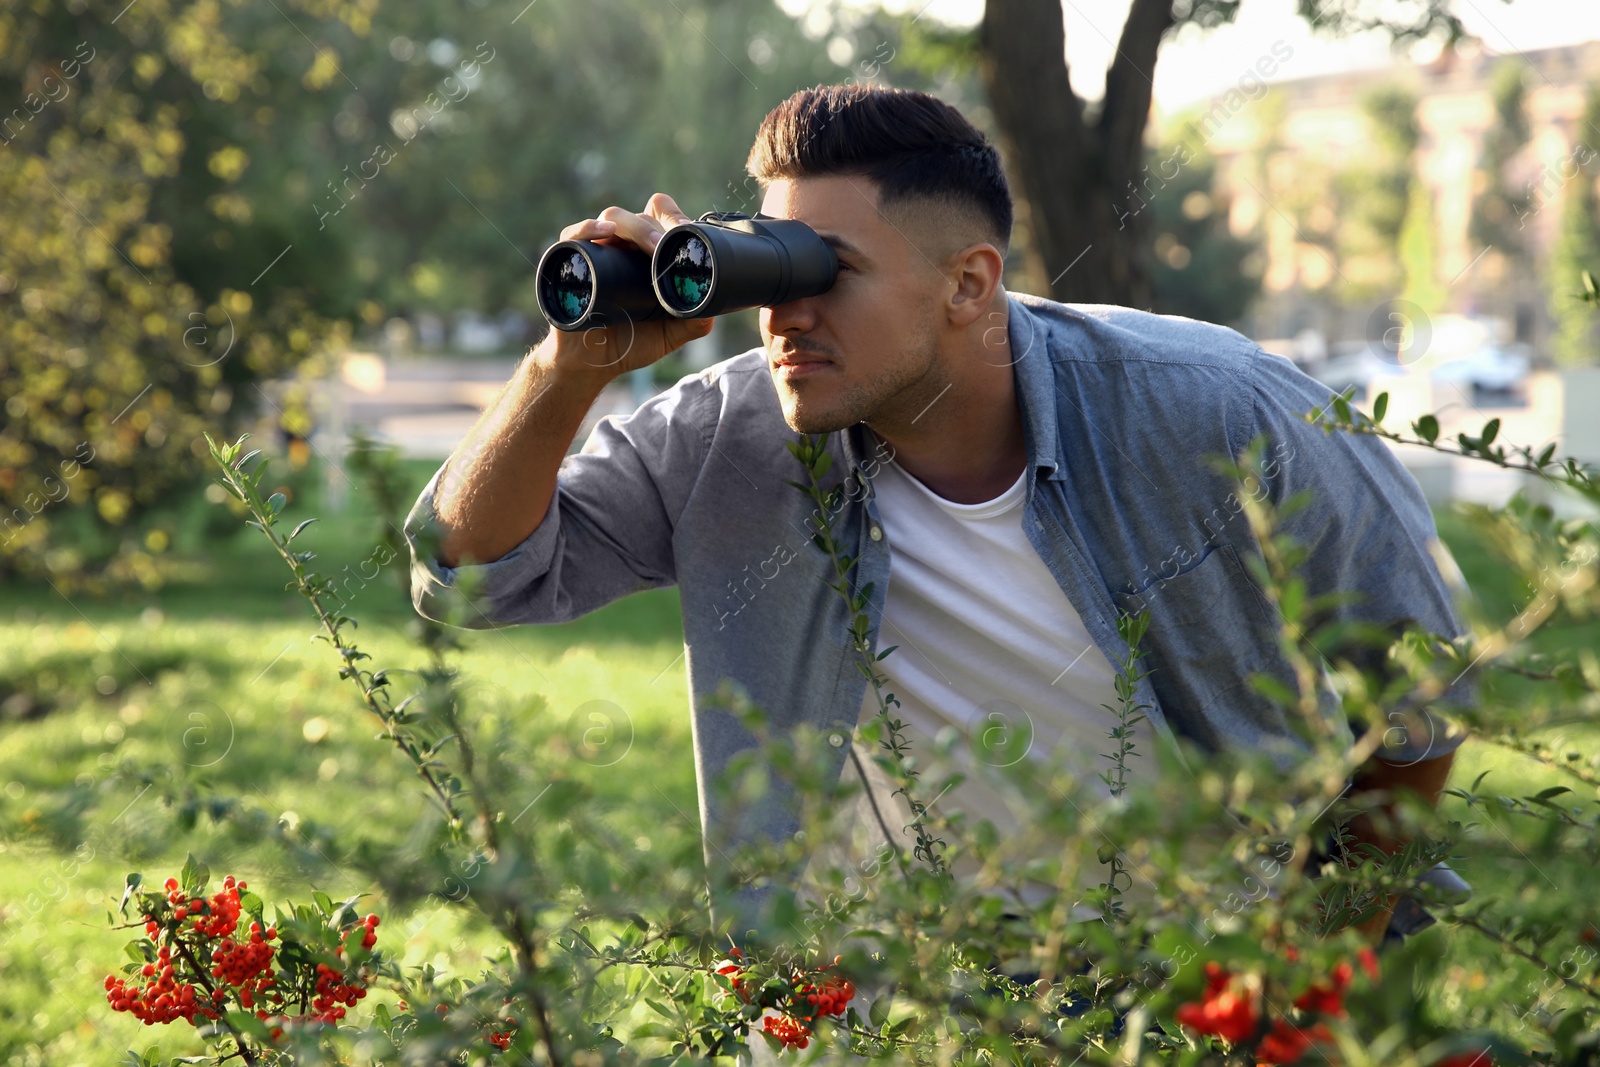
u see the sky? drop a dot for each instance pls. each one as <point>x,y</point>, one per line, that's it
<point>1197,64</point>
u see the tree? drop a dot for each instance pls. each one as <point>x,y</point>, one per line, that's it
<point>1497,211</point>
<point>1070,161</point>
<point>1198,268</point>
<point>202,195</point>
<point>1375,197</point>
<point>117,349</point>
<point>1577,250</point>
<point>1418,253</point>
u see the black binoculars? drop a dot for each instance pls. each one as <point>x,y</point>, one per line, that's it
<point>724,262</point>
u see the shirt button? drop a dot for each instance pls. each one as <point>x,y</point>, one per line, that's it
<point>876,533</point>
<point>836,739</point>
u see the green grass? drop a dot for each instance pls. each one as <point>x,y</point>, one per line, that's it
<point>215,677</point>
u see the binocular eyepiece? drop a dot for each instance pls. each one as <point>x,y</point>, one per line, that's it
<point>726,261</point>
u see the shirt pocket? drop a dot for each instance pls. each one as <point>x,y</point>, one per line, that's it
<point>1210,629</point>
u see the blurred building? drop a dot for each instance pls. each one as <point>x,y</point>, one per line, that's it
<point>1303,130</point>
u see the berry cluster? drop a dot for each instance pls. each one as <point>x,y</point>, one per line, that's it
<point>829,998</point>
<point>501,1039</point>
<point>790,1032</point>
<point>733,967</point>
<point>247,965</point>
<point>1229,1009</point>
<point>335,993</point>
<point>204,966</point>
<point>164,1000</point>
<point>810,994</point>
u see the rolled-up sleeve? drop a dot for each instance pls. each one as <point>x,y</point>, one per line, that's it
<point>607,532</point>
<point>1367,529</point>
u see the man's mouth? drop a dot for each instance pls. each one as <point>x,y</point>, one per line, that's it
<point>790,367</point>
<point>797,358</point>
<point>791,363</point>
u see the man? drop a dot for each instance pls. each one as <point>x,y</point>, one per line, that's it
<point>1031,468</point>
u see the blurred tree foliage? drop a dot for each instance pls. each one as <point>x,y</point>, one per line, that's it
<point>1197,267</point>
<point>1374,198</point>
<point>1577,249</point>
<point>199,194</point>
<point>117,349</point>
<point>1498,210</point>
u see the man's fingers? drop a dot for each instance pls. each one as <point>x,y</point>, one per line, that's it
<point>643,231</point>
<point>665,208</point>
<point>686,330</point>
<point>589,229</point>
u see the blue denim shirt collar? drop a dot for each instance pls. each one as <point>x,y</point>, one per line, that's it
<point>1035,392</point>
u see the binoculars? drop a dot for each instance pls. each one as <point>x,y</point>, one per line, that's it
<point>725,261</point>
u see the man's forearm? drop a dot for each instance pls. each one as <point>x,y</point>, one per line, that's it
<point>499,482</point>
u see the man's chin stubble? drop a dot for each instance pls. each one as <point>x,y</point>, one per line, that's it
<point>808,420</point>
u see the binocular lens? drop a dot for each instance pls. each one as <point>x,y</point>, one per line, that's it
<point>566,286</point>
<point>726,262</point>
<point>688,272</point>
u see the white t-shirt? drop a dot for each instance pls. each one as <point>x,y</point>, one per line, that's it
<point>989,644</point>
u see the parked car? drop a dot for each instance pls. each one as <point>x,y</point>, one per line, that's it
<point>1490,367</point>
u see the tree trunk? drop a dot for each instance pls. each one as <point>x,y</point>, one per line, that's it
<point>1077,179</point>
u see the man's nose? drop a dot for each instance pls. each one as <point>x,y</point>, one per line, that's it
<point>793,316</point>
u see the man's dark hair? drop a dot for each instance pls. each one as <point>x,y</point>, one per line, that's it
<point>910,145</point>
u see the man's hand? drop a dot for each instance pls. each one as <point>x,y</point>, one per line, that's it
<point>1423,778</point>
<point>498,484</point>
<point>618,349</point>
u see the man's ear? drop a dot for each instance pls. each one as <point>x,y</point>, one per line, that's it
<point>974,273</point>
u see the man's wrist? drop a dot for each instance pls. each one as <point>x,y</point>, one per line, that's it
<point>578,356</point>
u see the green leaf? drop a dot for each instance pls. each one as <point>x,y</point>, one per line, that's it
<point>879,1012</point>
<point>296,531</point>
<point>1490,428</point>
<point>1273,689</point>
<point>886,651</point>
<point>276,502</point>
<point>1544,457</point>
<point>1341,405</point>
<point>133,883</point>
<point>1379,406</point>
<point>1427,428</point>
<point>822,465</point>
<point>247,1023</point>
<point>195,874</point>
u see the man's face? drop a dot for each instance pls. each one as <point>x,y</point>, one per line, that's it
<point>877,328</point>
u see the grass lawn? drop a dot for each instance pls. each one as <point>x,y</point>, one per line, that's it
<point>215,677</point>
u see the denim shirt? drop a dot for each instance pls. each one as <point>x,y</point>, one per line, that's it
<point>1119,409</point>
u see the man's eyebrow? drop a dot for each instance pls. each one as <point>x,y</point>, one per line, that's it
<point>839,244</point>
